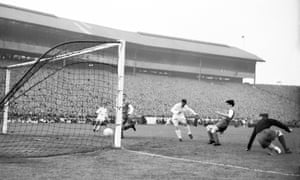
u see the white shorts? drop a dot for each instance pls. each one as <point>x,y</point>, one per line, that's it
<point>176,119</point>
<point>212,128</point>
<point>100,119</point>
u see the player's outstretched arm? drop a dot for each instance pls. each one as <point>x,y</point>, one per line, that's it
<point>280,125</point>
<point>221,114</point>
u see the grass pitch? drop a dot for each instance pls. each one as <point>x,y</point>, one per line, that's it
<point>154,152</point>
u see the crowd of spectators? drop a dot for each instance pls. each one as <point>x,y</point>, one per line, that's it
<point>154,95</point>
<point>77,94</point>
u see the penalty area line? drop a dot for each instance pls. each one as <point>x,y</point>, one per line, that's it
<point>212,163</point>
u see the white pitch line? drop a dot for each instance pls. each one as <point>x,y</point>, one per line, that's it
<point>212,163</point>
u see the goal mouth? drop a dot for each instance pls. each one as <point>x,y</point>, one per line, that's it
<point>49,104</point>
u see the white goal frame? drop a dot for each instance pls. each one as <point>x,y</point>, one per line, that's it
<point>121,44</point>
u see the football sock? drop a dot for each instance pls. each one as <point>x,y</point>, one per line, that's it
<point>272,147</point>
<point>126,127</point>
<point>216,138</point>
<point>97,127</point>
<point>122,134</point>
<point>133,127</point>
<point>211,138</point>
<point>178,133</point>
<point>188,129</point>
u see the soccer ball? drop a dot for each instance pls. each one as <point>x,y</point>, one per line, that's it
<point>108,132</point>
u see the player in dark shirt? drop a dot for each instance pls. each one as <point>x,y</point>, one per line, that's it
<point>127,113</point>
<point>266,135</point>
<point>222,125</point>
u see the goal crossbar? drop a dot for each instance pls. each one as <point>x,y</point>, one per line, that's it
<point>67,55</point>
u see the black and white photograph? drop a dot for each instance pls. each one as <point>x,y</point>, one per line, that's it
<point>150,90</point>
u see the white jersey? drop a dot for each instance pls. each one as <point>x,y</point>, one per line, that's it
<point>101,114</point>
<point>179,111</point>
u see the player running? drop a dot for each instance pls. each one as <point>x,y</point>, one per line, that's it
<point>127,113</point>
<point>266,135</point>
<point>102,117</point>
<point>179,110</point>
<point>222,125</point>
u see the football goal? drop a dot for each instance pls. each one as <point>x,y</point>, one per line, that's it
<point>48,106</point>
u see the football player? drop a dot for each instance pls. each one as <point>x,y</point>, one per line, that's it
<point>101,119</point>
<point>127,116</point>
<point>222,125</point>
<point>266,135</point>
<point>179,110</point>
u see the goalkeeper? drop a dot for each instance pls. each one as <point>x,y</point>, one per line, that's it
<point>266,135</point>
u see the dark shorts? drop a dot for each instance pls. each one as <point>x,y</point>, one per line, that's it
<point>266,137</point>
<point>222,126</point>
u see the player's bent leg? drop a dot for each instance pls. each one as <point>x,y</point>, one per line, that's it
<point>212,131</point>
<point>122,129</point>
<point>96,126</point>
<point>122,134</point>
<point>128,126</point>
<point>178,134</point>
<point>177,130</point>
<point>281,139</point>
<point>274,148</point>
<point>216,139</point>
<point>188,128</point>
<point>210,134</point>
<point>215,131</point>
<point>128,123</point>
<point>132,124</point>
<point>189,132</point>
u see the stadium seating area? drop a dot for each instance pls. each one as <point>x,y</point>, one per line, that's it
<point>155,95</point>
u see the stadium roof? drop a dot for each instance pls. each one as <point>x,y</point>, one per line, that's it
<point>145,39</point>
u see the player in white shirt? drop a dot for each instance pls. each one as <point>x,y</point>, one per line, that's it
<point>179,111</point>
<point>101,118</point>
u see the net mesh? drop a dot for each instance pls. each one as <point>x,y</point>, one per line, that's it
<point>52,104</point>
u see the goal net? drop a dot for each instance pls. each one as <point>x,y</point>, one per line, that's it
<point>48,106</point>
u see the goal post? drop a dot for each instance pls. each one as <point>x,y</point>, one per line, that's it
<point>5,106</point>
<point>53,99</point>
<point>119,112</point>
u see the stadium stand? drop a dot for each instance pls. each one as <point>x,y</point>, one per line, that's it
<point>153,95</point>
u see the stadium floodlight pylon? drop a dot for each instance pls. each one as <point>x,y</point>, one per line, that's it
<point>53,100</point>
